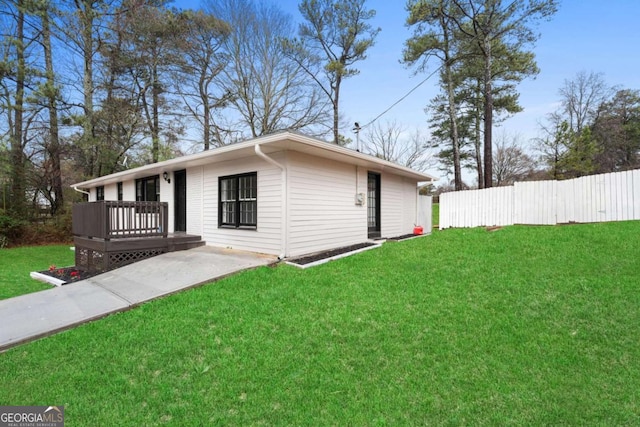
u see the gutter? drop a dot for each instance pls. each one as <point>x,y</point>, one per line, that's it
<point>285,208</point>
<point>81,191</point>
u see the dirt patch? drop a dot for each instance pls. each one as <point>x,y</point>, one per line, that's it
<point>328,254</point>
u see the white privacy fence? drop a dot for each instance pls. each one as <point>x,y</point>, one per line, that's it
<point>595,198</point>
<point>424,213</point>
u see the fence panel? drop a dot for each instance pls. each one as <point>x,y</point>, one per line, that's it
<point>473,208</point>
<point>600,198</point>
<point>596,198</point>
<point>627,196</point>
<point>535,202</point>
<point>425,206</point>
<point>635,182</point>
<point>565,208</point>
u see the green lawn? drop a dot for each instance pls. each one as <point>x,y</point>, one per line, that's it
<point>17,263</point>
<point>435,215</point>
<point>521,326</point>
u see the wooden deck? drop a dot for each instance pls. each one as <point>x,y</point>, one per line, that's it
<point>109,235</point>
<point>104,255</point>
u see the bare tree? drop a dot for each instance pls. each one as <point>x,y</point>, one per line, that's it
<point>50,92</point>
<point>338,32</point>
<point>391,142</point>
<point>204,60</point>
<point>154,40</point>
<point>550,146</point>
<point>511,163</point>
<point>268,90</point>
<point>566,144</point>
<point>581,97</point>
<point>16,106</point>
<point>617,132</point>
<point>82,26</point>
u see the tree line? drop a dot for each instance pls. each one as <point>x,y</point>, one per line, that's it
<point>596,129</point>
<point>90,87</point>
<point>481,50</point>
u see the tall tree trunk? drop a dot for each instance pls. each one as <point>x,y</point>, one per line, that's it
<point>18,204</point>
<point>336,110</point>
<point>204,96</point>
<point>488,117</point>
<point>453,119</point>
<point>457,170</point>
<point>54,142</point>
<point>85,10</point>
<point>478,143</point>
<point>155,128</point>
<point>206,134</point>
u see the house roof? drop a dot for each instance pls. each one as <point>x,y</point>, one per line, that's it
<point>269,144</point>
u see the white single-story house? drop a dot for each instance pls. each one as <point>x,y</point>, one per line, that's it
<point>283,194</point>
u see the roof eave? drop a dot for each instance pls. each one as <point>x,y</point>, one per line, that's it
<point>280,137</point>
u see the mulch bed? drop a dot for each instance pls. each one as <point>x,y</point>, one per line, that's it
<point>328,254</point>
<point>403,237</point>
<point>68,274</point>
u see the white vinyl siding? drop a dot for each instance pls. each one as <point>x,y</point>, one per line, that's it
<point>166,195</point>
<point>111,192</point>
<point>266,238</point>
<point>129,190</point>
<point>321,214</point>
<point>322,209</point>
<point>194,201</point>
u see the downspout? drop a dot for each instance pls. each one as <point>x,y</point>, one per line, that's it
<point>82,191</point>
<point>285,210</point>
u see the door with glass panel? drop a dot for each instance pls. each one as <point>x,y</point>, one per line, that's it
<point>180,201</point>
<point>373,205</point>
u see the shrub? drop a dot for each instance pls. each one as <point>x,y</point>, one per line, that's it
<point>11,229</point>
<point>16,232</point>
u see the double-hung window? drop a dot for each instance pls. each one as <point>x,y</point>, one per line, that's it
<point>100,193</point>
<point>148,189</point>
<point>238,201</point>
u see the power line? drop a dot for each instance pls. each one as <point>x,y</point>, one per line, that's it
<point>402,99</point>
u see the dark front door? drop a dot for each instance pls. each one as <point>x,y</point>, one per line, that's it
<point>373,205</point>
<point>180,200</point>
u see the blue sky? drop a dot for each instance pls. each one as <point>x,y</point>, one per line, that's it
<point>585,35</point>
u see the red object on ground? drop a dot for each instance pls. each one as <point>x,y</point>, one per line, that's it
<point>417,230</point>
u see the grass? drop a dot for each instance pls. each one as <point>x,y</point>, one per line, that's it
<point>17,263</point>
<point>521,326</point>
<point>435,215</point>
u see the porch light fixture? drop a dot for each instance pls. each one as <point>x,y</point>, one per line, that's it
<point>165,175</point>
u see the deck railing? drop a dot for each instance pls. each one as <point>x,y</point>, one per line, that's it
<point>117,220</point>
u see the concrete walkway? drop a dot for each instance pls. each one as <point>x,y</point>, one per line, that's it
<point>28,317</point>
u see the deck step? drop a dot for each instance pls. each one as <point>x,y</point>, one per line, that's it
<point>183,246</point>
<point>105,255</point>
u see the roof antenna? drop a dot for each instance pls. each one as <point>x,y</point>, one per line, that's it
<point>124,162</point>
<point>356,129</point>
